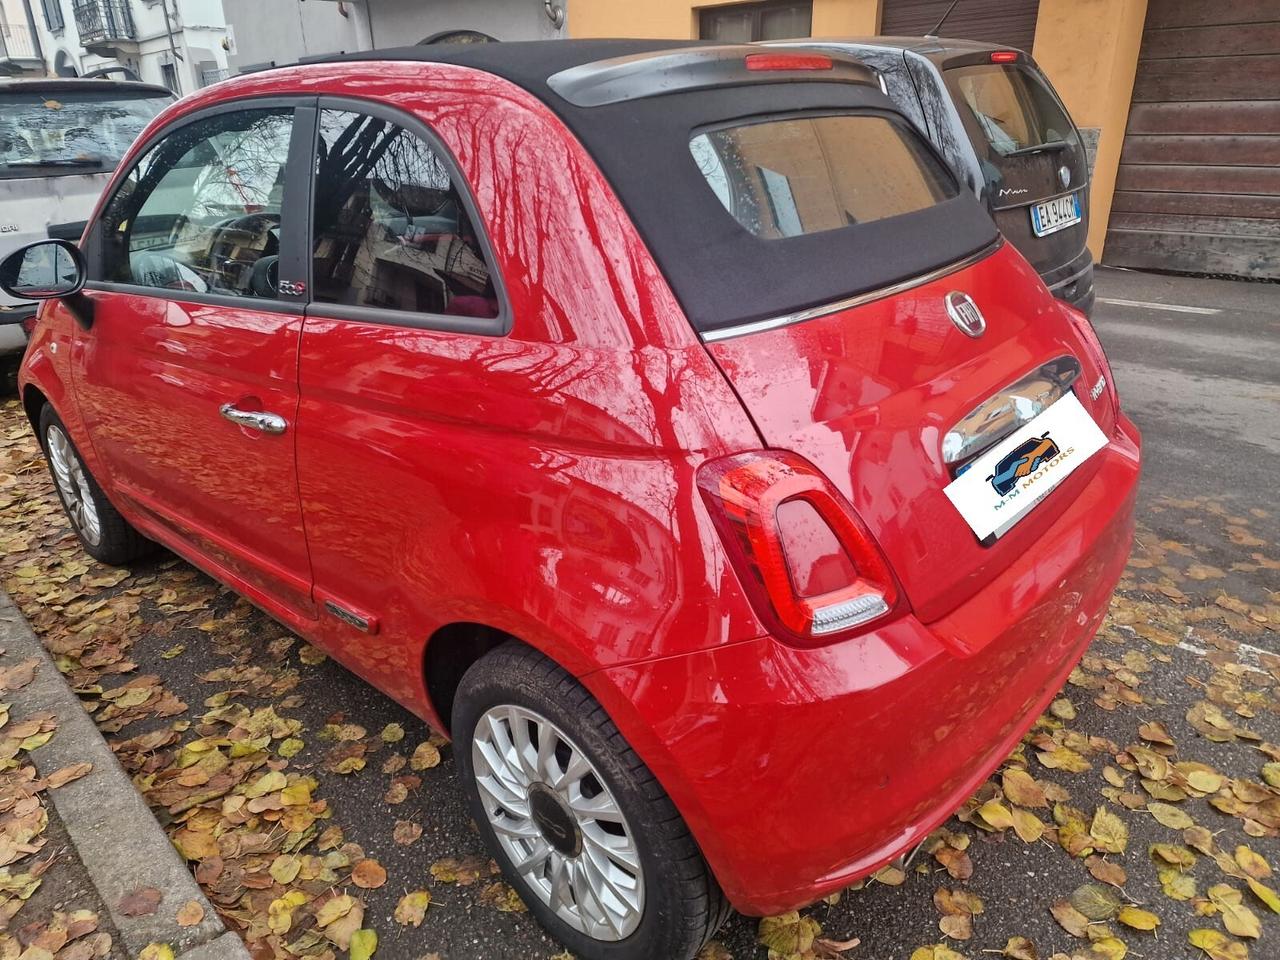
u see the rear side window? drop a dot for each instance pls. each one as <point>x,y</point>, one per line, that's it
<point>391,230</point>
<point>794,176</point>
<point>1011,108</point>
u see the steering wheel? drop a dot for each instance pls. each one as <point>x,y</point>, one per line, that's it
<point>264,279</point>
<point>230,234</point>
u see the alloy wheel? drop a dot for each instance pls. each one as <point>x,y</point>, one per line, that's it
<point>558,822</point>
<point>73,484</point>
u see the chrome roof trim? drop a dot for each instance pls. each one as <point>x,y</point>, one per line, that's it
<point>812,313</point>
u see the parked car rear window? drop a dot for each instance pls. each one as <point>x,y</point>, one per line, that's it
<point>1012,108</point>
<point>63,133</point>
<point>792,176</point>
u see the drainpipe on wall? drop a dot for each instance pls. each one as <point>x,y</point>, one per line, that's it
<point>35,34</point>
<point>361,18</point>
<point>173,47</point>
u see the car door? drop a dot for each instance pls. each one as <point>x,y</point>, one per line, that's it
<point>187,375</point>
<point>400,341</point>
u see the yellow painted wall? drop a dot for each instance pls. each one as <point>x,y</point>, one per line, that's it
<point>1089,49</point>
<point>678,19</point>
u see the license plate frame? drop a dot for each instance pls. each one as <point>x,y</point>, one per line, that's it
<point>1058,213</point>
<point>1003,485</point>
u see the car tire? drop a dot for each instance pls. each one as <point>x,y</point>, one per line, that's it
<point>104,533</point>
<point>530,808</point>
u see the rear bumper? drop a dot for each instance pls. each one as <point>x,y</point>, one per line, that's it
<point>1073,283</point>
<point>800,771</point>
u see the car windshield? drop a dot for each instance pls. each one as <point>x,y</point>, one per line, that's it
<point>1016,113</point>
<point>54,133</point>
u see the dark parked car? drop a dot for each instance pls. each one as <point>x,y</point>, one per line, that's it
<point>996,118</point>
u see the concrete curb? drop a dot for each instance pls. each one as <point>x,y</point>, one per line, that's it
<point>113,831</point>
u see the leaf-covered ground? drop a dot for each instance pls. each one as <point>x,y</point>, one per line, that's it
<point>61,918</point>
<point>1140,818</point>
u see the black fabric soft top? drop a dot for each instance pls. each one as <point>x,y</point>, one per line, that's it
<point>721,273</point>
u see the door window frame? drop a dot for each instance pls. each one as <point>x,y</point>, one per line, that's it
<point>297,213</point>
<point>496,326</point>
<point>294,262</point>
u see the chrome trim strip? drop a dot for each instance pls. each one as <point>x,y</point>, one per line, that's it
<point>812,313</point>
<point>1009,408</point>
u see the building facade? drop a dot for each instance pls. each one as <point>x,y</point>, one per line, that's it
<point>1179,98</point>
<point>285,31</point>
<point>181,44</point>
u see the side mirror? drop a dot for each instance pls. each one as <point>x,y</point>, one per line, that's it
<point>48,270</point>
<point>44,270</point>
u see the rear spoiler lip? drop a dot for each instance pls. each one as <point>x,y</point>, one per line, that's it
<point>848,303</point>
<point>642,75</point>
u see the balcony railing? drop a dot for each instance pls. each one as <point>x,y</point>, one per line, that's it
<point>15,43</point>
<point>103,21</point>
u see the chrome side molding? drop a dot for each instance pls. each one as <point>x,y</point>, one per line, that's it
<point>1009,408</point>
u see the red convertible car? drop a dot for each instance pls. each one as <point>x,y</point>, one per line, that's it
<point>597,400</point>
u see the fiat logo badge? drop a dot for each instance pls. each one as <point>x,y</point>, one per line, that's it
<point>964,313</point>
<point>1064,174</point>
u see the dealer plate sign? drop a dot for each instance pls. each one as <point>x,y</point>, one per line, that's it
<point>1004,483</point>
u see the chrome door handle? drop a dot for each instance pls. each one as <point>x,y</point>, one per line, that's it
<point>253,419</point>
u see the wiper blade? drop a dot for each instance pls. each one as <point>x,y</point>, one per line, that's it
<point>58,162</point>
<point>1039,148</point>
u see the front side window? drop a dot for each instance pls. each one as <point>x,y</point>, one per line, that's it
<point>794,176</point>
<point>391,230</point>
<point>201,211</point>
<point>1011,108</point>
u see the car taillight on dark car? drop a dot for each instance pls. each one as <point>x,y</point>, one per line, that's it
<point>810,566</point>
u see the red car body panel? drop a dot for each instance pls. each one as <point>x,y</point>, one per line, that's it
<point>800,771</point>
<point>171,365</point>
<point>867,394</point>
<point>542,484</point>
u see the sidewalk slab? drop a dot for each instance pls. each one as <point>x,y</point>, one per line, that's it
<point>113,831</point>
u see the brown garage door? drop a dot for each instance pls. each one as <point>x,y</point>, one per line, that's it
<point>1199,183</point>
<point>1010,23</point>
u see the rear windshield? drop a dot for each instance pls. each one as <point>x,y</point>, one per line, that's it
<point>1012,109</point>
<point>789,177</point>
<point>62,133</point>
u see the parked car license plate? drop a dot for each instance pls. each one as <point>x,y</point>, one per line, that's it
<point>1056,214</point>
<point>1002,485</point>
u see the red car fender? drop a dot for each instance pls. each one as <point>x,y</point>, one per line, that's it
<point>47,368</point>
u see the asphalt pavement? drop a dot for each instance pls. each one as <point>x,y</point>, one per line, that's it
<point>1197,365</point>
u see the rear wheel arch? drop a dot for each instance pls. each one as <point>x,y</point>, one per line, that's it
<point>450,652</point>
<point>453,648</point>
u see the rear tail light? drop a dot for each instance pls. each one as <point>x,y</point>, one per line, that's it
<point>1004,56</point>
<point>28,325</point>
<point>788,61</point>
<point>1094,346</point>
<point>813,572</point>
